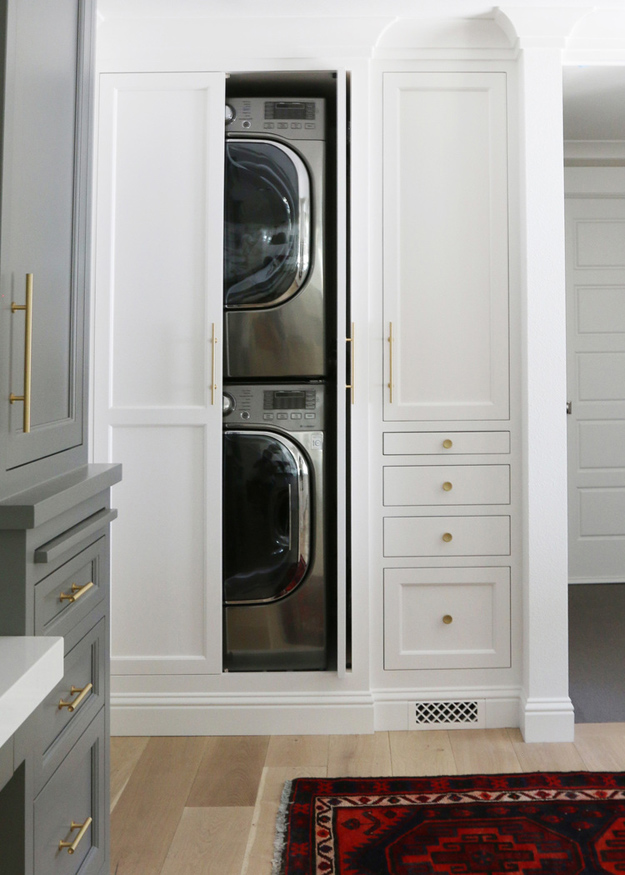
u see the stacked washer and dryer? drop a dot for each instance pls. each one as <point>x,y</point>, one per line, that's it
<point>275,575</point>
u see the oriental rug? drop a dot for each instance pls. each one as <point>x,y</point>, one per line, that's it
<point>561,823</point>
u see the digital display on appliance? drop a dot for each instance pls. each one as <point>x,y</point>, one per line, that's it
<point>290,109</point>
<point>288,400</point>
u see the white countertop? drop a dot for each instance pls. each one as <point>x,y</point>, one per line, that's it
<point>29,668</point>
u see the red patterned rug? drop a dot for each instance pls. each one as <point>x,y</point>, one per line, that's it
<point>562,823</point>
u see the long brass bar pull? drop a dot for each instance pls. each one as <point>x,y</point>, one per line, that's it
<point>28,352</point>
<point>213,383</point>
<point>83,827</point>
<point>351,340</point>
<point>390,361</point>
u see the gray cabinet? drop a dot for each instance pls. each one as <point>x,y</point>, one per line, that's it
<point>46,92</point>
<point>54,546</point>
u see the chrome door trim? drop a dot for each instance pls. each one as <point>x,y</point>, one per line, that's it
<point>304,512</point>
<point>305,199</point>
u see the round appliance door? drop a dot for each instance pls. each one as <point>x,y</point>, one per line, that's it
<point>267,226</point>
<point>267,517</point>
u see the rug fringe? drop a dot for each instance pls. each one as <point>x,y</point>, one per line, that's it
<point>279,845</point>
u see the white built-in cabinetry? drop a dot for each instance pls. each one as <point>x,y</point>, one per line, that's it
<point>448,473</point>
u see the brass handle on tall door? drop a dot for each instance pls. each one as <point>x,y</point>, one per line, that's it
<point>213,383</point>
<point>351,340</point>
<point>83,827</point>
<point>28,351</point>
<point>390,361</point>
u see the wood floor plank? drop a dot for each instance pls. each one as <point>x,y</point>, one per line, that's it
<point>147,815</point>
<point>259,855</point>
<point>209,841</point>
<point>298,750</point>
<point>545,757</point>
<point>601,746</point>
<point>483,751</point>
<point>230,772</point>
<point>125,754</point>
<point>359,755</point>
<point>426,752</point>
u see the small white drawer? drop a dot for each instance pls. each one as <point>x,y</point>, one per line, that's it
<point>447,536</point>
<point>446,618</point>
<point>446,485</point>
<point>408,443</point>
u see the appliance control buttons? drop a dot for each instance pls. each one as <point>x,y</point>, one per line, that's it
<point>245,414</point>
<point>246,123</point>
<point>268,416</point>
<point>283,415</point>
<point>296,416</point>
<point>309,415</point>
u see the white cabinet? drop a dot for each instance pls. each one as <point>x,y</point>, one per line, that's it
<point>445,246</point>
<point>448,496</point>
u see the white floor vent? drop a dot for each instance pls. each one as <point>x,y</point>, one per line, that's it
<point>455,714</point>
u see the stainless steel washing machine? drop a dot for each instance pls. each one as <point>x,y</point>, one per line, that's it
<point>274,581</point>
<point>274,239</point>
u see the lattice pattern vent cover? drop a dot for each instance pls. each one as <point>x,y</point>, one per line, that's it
<point>447,715</point>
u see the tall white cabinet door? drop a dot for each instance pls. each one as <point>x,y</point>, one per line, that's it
<point>445,246</point>
<point>157,393</point>
<point>595,283</point>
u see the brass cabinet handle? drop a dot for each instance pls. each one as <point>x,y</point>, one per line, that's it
<point>447,486</point>
<point>76,592</point>
<point>447,537</point>
<point>84,691</point>
<point>447,619</point>
<point>352,341</point>
<point>390,361</point>
<point>83,827</point>
<point>448,444</point>
<point>28,352</point>
<point>213,383</point>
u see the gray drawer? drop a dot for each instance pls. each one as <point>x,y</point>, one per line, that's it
<point>67,595</point>
<point>74,793</point>
<point>60,727</point>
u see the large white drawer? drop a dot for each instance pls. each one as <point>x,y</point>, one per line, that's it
<point>446,618</point>
<point>446,484</point>
<point>447,536</point>
<point>408,443</point>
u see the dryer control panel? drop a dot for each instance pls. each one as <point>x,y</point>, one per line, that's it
<point>292,408</point>
<point>287,117</point>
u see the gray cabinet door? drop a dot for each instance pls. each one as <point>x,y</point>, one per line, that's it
<point>44,230</point>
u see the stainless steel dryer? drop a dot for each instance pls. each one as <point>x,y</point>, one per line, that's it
<point>274,239</point>
<point>274,582</point>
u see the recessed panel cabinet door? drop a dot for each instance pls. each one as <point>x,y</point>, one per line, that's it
<point>44,225</point>
<point>445,246</point>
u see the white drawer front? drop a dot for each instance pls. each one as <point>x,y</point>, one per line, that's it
<point>407,443</point>
<point>447,485</point>
<point>439,618</point>
<point>447,536</point>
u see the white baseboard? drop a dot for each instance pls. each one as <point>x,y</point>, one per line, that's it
<point>545,720</point>
<point>497,709</point>
<point>138,714</point>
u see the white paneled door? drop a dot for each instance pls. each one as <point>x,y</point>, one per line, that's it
<point>596,388</point>
<point>445,246</point>
<point>157,392</point>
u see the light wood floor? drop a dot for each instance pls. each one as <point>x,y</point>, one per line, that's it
<point>207,805</point>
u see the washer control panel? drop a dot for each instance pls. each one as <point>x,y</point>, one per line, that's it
<point>293,408</point>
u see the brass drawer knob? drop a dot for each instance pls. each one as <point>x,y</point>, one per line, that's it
<point>76,592</point>
<point>448,444</point>
<point>71,706</point>
<point>83,827</point>
<point>447,619</point>
<point>447,486</point>
<point>447,537</point>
